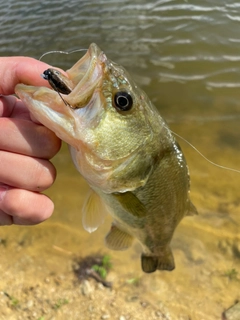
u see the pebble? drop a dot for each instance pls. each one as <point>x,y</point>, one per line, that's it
<point>105,316</point>
<point>122,318</point>
<point>29,304</point>
<point>144,304</point>
<point>100,286</point>
<point>158,314</point>
<point>47,280</point>
<point>86,288</point>
<point>233,313</point>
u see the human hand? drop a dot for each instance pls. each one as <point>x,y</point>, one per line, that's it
<point>25,148</point>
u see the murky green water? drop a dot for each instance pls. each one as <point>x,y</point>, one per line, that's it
<point>186,57</point>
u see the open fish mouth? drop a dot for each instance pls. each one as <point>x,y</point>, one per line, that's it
<point>84,77</point>
<point>57,109</point>
<point>77,88</point>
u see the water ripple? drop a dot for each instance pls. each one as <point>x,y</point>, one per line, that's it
<point>178,44</point>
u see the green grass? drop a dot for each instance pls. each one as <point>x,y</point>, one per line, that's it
<point>14,301</point>
<point>103,267</point>
<point>60,303</point>
<point>134,281</point>
<point>231,274</point>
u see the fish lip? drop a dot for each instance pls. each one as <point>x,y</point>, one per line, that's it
<point>94,50</point>
<point>86,75</point>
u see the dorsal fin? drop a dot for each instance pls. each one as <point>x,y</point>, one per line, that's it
<point>131,204</point>
<point>94,212</point>
<point>192,211</point>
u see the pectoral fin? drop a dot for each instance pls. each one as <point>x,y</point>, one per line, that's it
<point>131,204</point>
<point>94,212</point>
<point>117,239</point>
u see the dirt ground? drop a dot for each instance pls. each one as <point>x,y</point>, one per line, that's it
<point>33,288</point>
<point>37,263</point>
<point>39,282</point>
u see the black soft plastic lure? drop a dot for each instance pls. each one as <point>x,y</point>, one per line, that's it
<point>57,81</point>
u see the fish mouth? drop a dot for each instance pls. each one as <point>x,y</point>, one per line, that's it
<point>65,113</point>
<point>85,77</point>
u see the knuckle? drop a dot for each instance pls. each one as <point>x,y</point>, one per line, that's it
<point>49,143</point>
<point>44,175</point>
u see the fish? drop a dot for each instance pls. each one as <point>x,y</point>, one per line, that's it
<point>123,148</point>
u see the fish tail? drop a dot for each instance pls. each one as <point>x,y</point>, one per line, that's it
<point>165,261</point>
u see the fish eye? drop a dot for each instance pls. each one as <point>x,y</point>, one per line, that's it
<point>123,101</point>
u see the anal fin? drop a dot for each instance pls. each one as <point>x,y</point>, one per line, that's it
<point>117,239</point>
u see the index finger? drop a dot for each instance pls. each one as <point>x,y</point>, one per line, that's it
<point>14,70</point>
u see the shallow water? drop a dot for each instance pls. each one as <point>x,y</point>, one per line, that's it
<point>186,57</point>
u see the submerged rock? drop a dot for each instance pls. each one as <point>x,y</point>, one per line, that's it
<point>233,313</point>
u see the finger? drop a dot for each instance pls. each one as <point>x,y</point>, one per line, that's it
<point>25,172</point>
<point>5,219</point>
<point>20,70</point>
<point>10,106</point>
<point>24,207</point>
<point>25,70</point>
<point>28,138</point>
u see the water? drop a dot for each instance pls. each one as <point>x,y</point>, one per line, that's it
<point>186,57</point>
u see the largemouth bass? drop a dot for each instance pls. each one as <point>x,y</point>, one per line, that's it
<point>123,148</point>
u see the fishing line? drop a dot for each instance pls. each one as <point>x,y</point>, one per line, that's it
<point>63,52</point>
<point>213,163</point>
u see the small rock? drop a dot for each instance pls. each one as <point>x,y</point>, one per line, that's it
<point>233,313</point>
<point>100,286</point>
<point>29,304</point>
<point>105,316</point>
<point>47,280</point>
<point>144,304</point>
<point>158,314</point>
<point>86,288</point>
<point>122,318</point>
